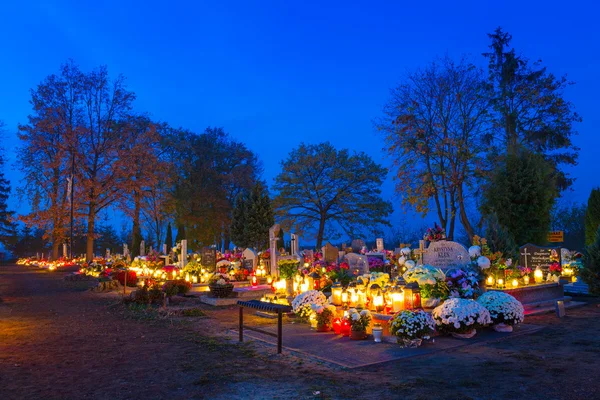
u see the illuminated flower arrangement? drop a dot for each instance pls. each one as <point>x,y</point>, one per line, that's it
<point>359,320</point>
<point>303,303</point>
<point>503,308</point>
<point>434,234</point>
<point>412,325</point>
<point>460,316</point>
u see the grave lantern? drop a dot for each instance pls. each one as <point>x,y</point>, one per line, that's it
<point>490,281</point>
<point>373,290</point>
<point>526,279</point>
<point>538,275</point>
<point>345,298</point>
<point>336,294</point>
<point>378,301</point>
<point>362,297</point>
<point>500,283</point>
<point>515,283</point>
<point>254,280</point>
<point>337,326</point>
<point>353,297</point>
<point>412,296</point>
<point>397,299</point>
<point>313,280</point>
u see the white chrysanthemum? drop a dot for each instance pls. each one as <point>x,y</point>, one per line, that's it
<point>456,314</point>
<point>474,251</point>
<point>483,262</point>
<point>503,307</point>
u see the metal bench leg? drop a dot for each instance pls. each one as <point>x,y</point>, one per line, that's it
<point>241,324</point>
<point>279,331</point>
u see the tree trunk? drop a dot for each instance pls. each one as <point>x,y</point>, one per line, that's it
<point>89,252</point>
<point>55,245</point>
<point>464,219</point>
<point>321,233</point>
<point>136,232</point>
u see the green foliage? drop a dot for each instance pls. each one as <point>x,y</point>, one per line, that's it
<point>499,239</point>
<point>321,187</point>
<point>280,239</point>
<point>592,216</point>
<point>288,268</point>
<point>521,194</point>
<point>169,238</point>
<point>107,238</point>
<point>591,265</point>
<point>571,220</point>
<point>252,217</point>
<point>180,233</point>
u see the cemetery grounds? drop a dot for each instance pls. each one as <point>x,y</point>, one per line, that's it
<point>60,341</point>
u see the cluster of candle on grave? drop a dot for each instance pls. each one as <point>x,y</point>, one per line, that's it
<point>502,282</point>
<point>391,299</point>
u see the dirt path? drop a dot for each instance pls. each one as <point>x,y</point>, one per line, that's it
<point>60,341</point>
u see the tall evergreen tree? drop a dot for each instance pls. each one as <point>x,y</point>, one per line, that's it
<point>521,194</point>
<point>180,233</point>
<point>169,238</point>
<point>499,238</point>
<point>239,221</point>
<point>592,216</point>
<point>530,108</point>
<point>259,217</point>
<point>8,232</point>
<point>281,239</point>
<point>591,262</point>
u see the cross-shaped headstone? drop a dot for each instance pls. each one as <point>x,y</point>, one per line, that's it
<point>525,253</point>
<point>420,251</point>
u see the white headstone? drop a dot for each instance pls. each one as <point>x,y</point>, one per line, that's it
<point>273,232</point>
<point>249,254</point>
<point>379,242</point>
<point>142,248</point>
<point>183,253</point>
<point>294,244</point>
<point>164,248</point>
<point>357,262</point>
<point>445,254</point>
<point>107,253</point>
<point>125,250</point>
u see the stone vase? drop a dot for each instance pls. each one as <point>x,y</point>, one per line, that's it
<point>358,335</point>
<point>503,328</point>
<point>466,335</point>
<point>429,303</point>
<point>409,343</point>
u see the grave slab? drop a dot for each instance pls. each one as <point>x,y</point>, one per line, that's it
<point>535,293</point>
<point>344,352</point>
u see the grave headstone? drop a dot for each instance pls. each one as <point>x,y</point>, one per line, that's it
<point>379,242</point>
<point>142,248</point>
<point>330,253</point>
<point>357,262</point>
<point>249,257</point>
<point>107,253</point>
<point>533,256</point>
<point>357,245</point>
<point>445,254</point>
<point>209,258</point>
<point>273,233</point>
<point>125,250</point>
<point>183,253</point>
<point>164,248</point>
<point>294,244</point>
<point>565,254</point>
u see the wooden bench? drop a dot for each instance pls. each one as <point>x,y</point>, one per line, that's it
<point>279,309</point>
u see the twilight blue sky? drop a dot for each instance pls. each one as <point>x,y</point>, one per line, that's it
<point>276,73</point>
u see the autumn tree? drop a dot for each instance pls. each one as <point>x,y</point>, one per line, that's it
<point>322,190</point>
<point>530,110</point>
<point>101,157</point>
<point>46,152</point>
<point>435,124</point>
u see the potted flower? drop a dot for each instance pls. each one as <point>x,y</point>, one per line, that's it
<point>303,303</point>
<point>505,310</point>
<point>359,321</point>
<point>220,285</point>
<point>411,327</point>
<point>463,283</point>
<point>287,269</point>
<point>432,283</point>
<point>324,315</point>
<point>461,317</point>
